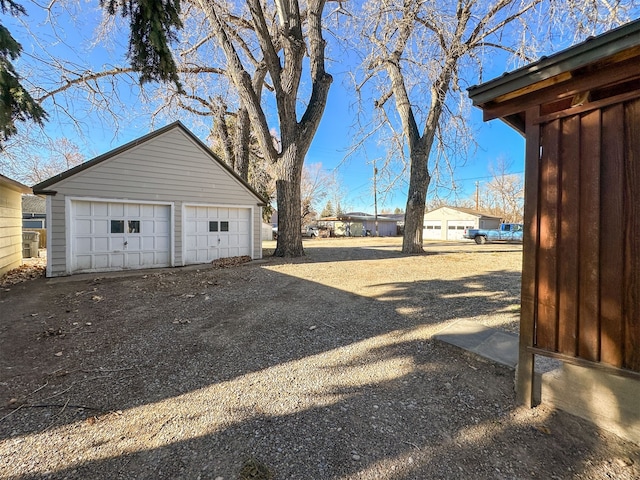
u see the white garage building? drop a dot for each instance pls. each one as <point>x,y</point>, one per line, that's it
<point>448,223</point>
<point>162,200</point>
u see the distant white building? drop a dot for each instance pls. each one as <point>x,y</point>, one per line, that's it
<point>448,223</point>
<point>355,224</point>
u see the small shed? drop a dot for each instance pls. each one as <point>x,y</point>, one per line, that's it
<point>449,223</point>
<point>162,200</point>
<point>579,111</point>
<point>11,223</point>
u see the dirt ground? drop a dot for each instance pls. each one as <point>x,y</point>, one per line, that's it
<point>323,367</point>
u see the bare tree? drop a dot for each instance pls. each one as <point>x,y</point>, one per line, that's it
<point>34,166</point>
<point>420,53</point>
<point>503,195</point>
<point>249,44</point>
<point>316,186</point>
<point>200,87</point>
<point>283,39</point>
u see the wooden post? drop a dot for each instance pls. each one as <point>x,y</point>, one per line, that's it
<point>526,366</point>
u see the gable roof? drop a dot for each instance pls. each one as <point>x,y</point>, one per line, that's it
<point>33,204</point>
<point>468,211</point>
<point>14,185</point>
<point>42,187</point>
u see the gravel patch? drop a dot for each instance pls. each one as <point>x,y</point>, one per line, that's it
<point>322,367</point>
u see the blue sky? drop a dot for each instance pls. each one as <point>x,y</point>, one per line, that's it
<point>495,140</point>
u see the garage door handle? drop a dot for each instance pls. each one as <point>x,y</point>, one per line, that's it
<point>126,243</point>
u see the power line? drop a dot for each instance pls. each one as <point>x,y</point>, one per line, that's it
<point>486,176</point>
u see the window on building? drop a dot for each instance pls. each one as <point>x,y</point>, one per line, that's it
<point>33,223</point>
<point>117,226</point>
<point>134,226</point>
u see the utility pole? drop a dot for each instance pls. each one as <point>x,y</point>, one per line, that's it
<point>375,195</point>
<point>477,196</point>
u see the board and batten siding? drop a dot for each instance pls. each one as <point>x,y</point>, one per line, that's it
<point>10,229</point>
<point>170,168</point>
<point>586,261</point>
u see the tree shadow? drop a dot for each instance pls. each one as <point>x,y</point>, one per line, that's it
<point>321,251</point>
<point>363,391</point>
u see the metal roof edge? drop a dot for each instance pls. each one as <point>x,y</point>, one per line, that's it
<point>579,55</point>
<point>14,184</point>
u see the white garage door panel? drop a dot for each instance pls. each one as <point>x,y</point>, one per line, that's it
<point>432,230</point>
<point>216,232</point>
<point>115,236</point>
<point>455,230</point>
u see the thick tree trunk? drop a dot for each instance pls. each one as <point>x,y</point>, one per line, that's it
<point>419,151</point>
<point>289,203</point>
<point>242,140</point>
<point>416,198</point>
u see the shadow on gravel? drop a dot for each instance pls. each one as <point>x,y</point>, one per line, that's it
<point>321,251</point>
<point>184,379</point>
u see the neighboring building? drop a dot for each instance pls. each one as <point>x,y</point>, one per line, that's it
<point>449,223</point>
<point>34,212</point>
<point>162,200</point>
<point>353,224</point>
<point>267,231</point>
<point>11,223</point>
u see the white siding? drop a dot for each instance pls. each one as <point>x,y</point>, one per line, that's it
<point>453,222</point>
<point>10,229</point>
<point>168,168</point>
<point>446,213</point>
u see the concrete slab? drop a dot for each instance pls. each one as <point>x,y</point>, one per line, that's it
<point>501,347</point>
<point>609,401</point>
<point>490,343</point>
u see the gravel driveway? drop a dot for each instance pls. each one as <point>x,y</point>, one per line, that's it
<point>323,367</point>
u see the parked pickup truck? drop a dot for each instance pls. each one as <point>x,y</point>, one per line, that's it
<point>508,232</point>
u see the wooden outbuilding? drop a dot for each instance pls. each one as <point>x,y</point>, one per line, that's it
<point>579,111</point>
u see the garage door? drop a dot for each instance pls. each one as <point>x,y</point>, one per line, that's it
<point>432,230</point>
<point>455,229</point>
<point>216,232</point>
<point>115,236</point>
